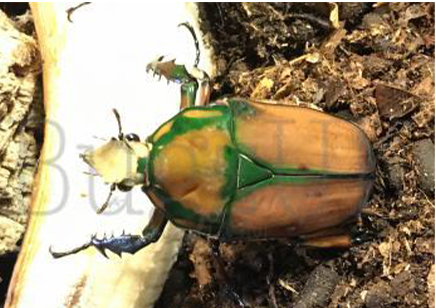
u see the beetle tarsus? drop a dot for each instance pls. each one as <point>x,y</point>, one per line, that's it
<point>362,237</point>
<point>194,36</point>
<point>57,254</point>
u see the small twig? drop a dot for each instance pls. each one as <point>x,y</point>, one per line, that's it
<point>286,286</point>
<point>71,10</point>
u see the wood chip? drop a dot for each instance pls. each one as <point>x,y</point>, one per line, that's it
<point>394,103</point>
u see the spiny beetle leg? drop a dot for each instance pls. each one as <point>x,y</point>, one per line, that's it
<point>119,244</point>
<point>132,243</point>
<point>125,242</point>
<point>170,70</point>
<point>189,81</point>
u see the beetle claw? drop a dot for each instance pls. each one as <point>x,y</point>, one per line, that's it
<point>102,251</point>
<point>153,65</point>
<point>118,253</point>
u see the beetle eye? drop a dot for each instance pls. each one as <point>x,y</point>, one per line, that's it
<point>132,137</point>
<point>123,187</point>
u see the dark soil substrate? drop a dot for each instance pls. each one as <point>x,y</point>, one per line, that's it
<point>376,68</point>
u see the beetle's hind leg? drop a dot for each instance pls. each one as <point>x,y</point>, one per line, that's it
<point>124,243</point>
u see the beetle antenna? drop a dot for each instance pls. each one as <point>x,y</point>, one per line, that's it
<point>120,129</point>
<point>106,203</point>
<point>197,47</point>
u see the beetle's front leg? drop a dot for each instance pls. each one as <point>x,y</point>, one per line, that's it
<point>191,82</point>
<point>126,242</point>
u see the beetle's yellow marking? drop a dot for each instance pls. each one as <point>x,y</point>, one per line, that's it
<point>191,169</point>
<point>202,114</point>
<point>162,131</point>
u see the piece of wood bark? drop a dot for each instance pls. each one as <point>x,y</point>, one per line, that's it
<point>19,63</point>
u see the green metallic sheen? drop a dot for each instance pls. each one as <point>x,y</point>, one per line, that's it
<point>240,107</point>
<point>142,165</point>
<point>179,73</point>
<point>231,157</point>
<point>250,173</point>
<point>182,124</point>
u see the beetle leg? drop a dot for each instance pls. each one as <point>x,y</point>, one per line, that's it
<point>339,236</point>
<point>190,82</point>
<point>334,237</point>
<point>125,242</point>
<point>203,80</point>
<point>176,73</point>
<point>331,241</point>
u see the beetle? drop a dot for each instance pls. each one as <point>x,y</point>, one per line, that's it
<point>239,169</point>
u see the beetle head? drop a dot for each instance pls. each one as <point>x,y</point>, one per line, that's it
<point>117,160</point>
